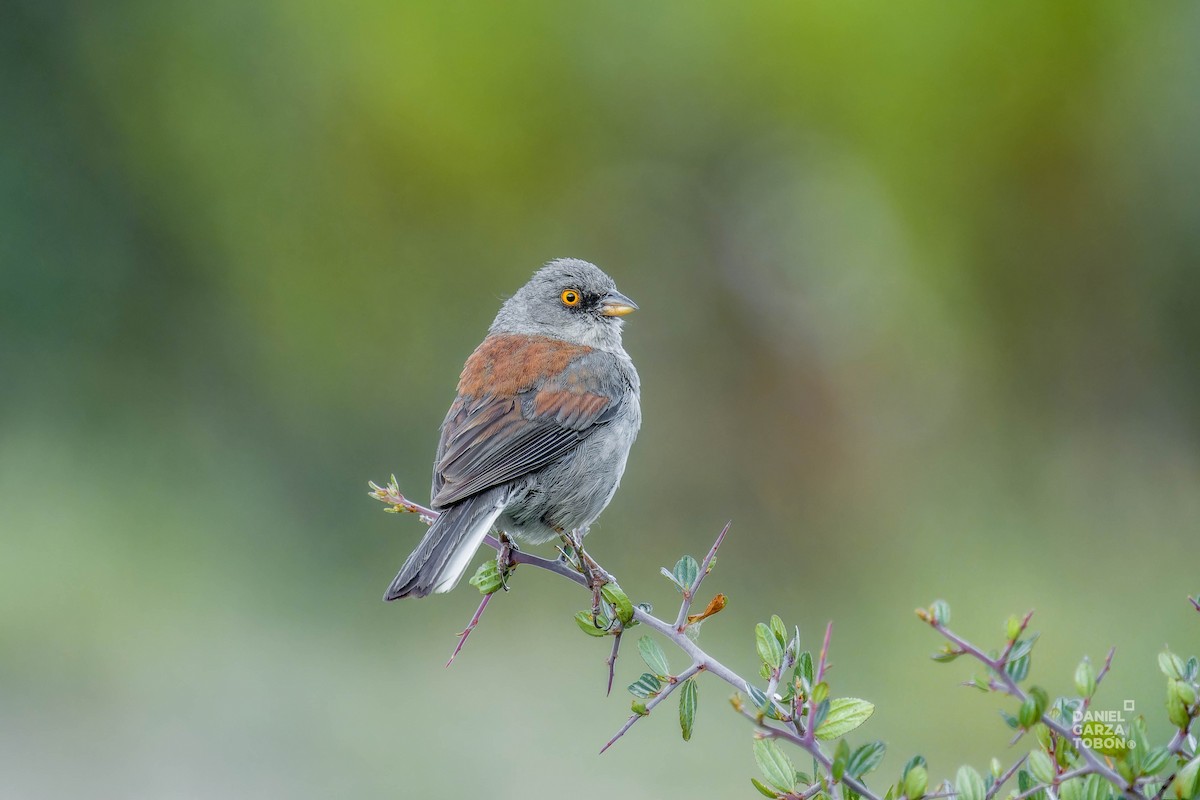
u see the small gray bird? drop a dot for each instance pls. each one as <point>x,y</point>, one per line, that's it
<point>536,440</point>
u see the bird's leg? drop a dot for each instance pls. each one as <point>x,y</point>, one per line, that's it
<point>592,572</point>
<point>504,562</point>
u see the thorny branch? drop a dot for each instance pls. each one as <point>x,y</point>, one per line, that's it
<point>797,728</point>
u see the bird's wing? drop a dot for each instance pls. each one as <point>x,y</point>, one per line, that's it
<point>512,421</point>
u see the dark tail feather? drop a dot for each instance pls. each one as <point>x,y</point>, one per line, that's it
<point>442,557</point>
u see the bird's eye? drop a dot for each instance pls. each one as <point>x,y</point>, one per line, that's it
<point>570,298</point>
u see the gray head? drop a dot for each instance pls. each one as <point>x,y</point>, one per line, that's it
<point>567,299</point>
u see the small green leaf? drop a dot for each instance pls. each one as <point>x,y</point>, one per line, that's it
<point>945,655</point>
<point>639,708</point>
<point>619,601</point>
<point>995,767</point>
<point>1155,760</point>
<point>1085,678</point>
<point>915,782</point>
<point>1191,669</point>
<point>1182,691</point>
<point>584,620</point>
<point>845,714</point>
<point>1012,628</point>
<point>1071,790</point>
<point>686,571</point>
<point>1041,766</point>
<point>1028,714</point>
<point>777,628</point>
<point>687,708</point>
<point>775,765</point>
<point>804,670</point>
<point>759,698</point>
<point>940,611</point>
<point>1095,787</point>
<point>1187,780</point>
<point>654,656</point>
<point>646,686</point>
<point>968,784</point>
<point>487,578</point>
<point>915,761</point>
<point>763,790</point>
<point>841,757</point>
<point>1171,665</point>
<point>865,758</point>
<point>769,648</point>
<point>820,713</point>
<point>1018,669</point>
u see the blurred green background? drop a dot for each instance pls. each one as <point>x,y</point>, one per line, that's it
<point>919,313</point>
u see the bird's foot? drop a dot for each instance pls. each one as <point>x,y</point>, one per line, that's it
<point>504,559</point>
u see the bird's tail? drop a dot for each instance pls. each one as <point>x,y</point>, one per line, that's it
<point>442,557</point>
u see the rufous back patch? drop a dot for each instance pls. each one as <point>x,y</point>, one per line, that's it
<point>507,364</point>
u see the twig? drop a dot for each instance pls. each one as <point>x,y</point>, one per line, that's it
<point>1005,777</point>
<point>612,661</point>
<point>462,637</point>
<point>1005,683</point>
<point>672,685</point>
<point>1195,602</point>
<point>689,592</point>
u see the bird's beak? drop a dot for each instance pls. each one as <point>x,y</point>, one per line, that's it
<point>616,304</point>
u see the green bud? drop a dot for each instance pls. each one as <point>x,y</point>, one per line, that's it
<point>915,782</point>
<point>1012,628</point>
<point>1085,678</point>
<point>1183,690</point>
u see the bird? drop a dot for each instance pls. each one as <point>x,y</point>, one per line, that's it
<point>537,438</point>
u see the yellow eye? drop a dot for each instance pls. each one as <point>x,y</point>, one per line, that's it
<point>570,298</point>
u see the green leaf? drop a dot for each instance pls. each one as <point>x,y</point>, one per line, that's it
<point>769,648</point>
<point>940,611</point>
<point>584,620</point>
<point>1095,787</point>
<point>1028,715</point>
<point>686,570</point>
<point>775,765</point>
<point>945,655</point>
<point>865,758</point>
<point>619,601</point>
<point>759,698</point>
<point>915,761</point>
<point>1155,760</point>
<point>1171,665</point>
<point>646,686</point>
<point>841,757</point>
<point>687,708</point>
<point>804,670</point>
<point>820,713</point>
<point>487,578</point>
<point>654,656</point>
<point>763,790</point>
<point>915,782</point>
<point>1085,678</point>
<point>1182,691</point>
<point>1012,628</point>
<point>1187,780</point>
<point>968,784</point>
<point>1041,766</point>
<point>777,628</point>
<point>1191,669</point>
<point>639,708</point>
<point>1018,669</point>
<point>1071,790</point>
<point>845,714</point>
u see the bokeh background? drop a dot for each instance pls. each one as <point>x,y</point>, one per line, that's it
<point>919,313</point>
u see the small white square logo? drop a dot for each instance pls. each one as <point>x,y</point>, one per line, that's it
<point>1129,705</point>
